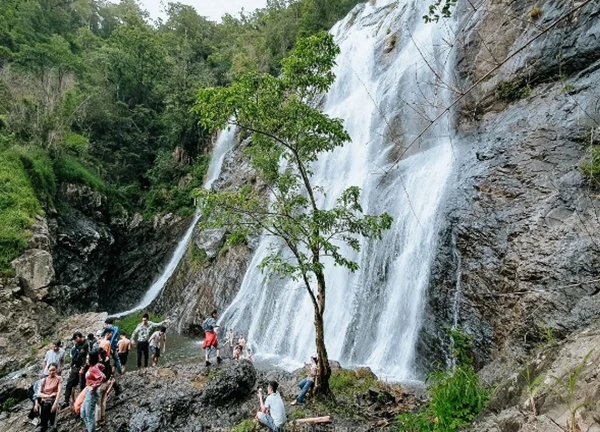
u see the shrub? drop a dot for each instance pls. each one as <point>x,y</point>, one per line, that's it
<point>591,166</point>
<point>347,382</point>
<point>535,13</point>
<point>457,396</point>
<point>18,206</point>
<point>512,91</point>
<point>39,168</point>
<point>70,170</point>
<point>245,426</point>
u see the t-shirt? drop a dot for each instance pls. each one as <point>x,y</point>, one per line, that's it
<point>51,385</point>
<point>209,324</point>
<point>105,345</point>
<point>54,357</point>
<point>276,408</point>
<point>156,339</point>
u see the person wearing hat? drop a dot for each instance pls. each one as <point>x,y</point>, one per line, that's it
<point>79,354</point>
<point>307,383</point>
<point>54,355</point>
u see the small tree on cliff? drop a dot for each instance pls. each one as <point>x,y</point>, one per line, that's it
<point>288,135</point>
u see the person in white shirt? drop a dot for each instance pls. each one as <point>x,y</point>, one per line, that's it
<point>272,411</point>
<point>54,355</point>
<point>158,339</point>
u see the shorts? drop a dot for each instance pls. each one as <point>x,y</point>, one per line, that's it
<point>210,340</point>
<point>155,350</point>
<point>123,358</point>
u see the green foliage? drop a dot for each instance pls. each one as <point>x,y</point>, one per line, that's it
<point>245,426</point>
<point>513,91</point>
<point>40,171</point>
<point>534,384</point>
<point>457,396</point>
<point>347,382</point>
<point>591,166</point>
<point>8,404</point>
<point>565,388</point>
<point>69,170</point>
<point>129,323</point>
<point>462,344</point>
<point>439,9</point>
<point>18,206</point>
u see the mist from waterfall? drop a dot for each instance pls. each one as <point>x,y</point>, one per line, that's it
<point>225,143</point>
<point>386,93</point>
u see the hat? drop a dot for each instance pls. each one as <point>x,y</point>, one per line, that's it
<point>77,335</point>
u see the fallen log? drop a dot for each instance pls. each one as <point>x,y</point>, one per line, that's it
<point>314,420</point>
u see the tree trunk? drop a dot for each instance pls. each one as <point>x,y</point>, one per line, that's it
<point>322,381</point>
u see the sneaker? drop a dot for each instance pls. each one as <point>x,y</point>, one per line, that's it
<point>64,405</point>
<point>294,403</point>
<point>219,359</point>
<point>207,363</point>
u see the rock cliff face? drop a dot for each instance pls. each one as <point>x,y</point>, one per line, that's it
<point>212,270</point>
<point>518,256</point>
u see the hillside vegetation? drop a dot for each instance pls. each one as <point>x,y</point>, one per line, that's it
<point>96,93</point>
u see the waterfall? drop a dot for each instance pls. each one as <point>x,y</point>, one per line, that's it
<point>390,79</point>
<point>225,142</point>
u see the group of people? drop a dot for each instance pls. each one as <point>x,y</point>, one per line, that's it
<point>272,409</point>
<point>95,361</point>
<point>211,341</point>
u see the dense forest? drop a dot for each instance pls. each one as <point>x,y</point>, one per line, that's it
<point>96,93</point>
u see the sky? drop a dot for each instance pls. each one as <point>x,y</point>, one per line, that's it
<point>213,9</point>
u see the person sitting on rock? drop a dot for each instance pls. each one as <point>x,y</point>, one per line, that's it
<point>157,339</point>
<point>307,383</point>
<point>54,355</point>
<point>249,354</point>
<point>32,394</point>
<point>210,337</point>
<point>123,348</point>
<point>272,411</point>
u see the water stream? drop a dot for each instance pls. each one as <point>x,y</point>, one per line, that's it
<point>225,143</point>
<point>373,316</point>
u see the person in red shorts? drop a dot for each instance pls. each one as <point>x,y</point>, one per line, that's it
<point>210,337</point>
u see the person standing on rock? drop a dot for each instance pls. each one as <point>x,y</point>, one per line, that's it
<point>49,394</point>
<point>242,342</point>
<point>157,339</point>
<point>142,331</point>
<point>94,378</point>
<point>123,348</point>
<point>114,340</point>
<point>210,337</point>
<point>307,383</point>
<point>272,411</point>
<point>79,354</point>
<point>54,355</point>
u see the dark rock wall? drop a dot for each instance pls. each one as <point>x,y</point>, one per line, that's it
<point>521,220</point>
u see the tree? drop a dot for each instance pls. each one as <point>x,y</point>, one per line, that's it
<point>289,130</point>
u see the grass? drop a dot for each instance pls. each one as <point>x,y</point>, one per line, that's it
<point>535,13</point>
<point>69,170</point>
<point>8,404</point>
<point>591,166</point>
<point>513,91</point>
<point>245,426</point>
<point>130,322</point>
<point>18,207</point>
<point>347,383</point>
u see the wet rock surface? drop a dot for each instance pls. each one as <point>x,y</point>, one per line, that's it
<point>518,251</point>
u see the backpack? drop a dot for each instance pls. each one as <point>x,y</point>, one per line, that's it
<point>207,324</point>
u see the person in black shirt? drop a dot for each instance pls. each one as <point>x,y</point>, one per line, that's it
<point>79,354</point>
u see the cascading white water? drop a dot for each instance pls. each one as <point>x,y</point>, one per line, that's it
<point>225,142</point>
<point>385,93</point>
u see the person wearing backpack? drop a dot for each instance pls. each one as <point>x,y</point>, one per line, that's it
<point>79,354</point>
<point>114,341</point>
<point>32,393</point>
<point>48,394</point>
<point>210,337</point>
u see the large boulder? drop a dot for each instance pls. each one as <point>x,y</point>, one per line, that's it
<point>233,382</point>
<point>35,271</point>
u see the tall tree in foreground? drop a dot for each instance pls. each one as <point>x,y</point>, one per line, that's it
<point>289,133</point>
